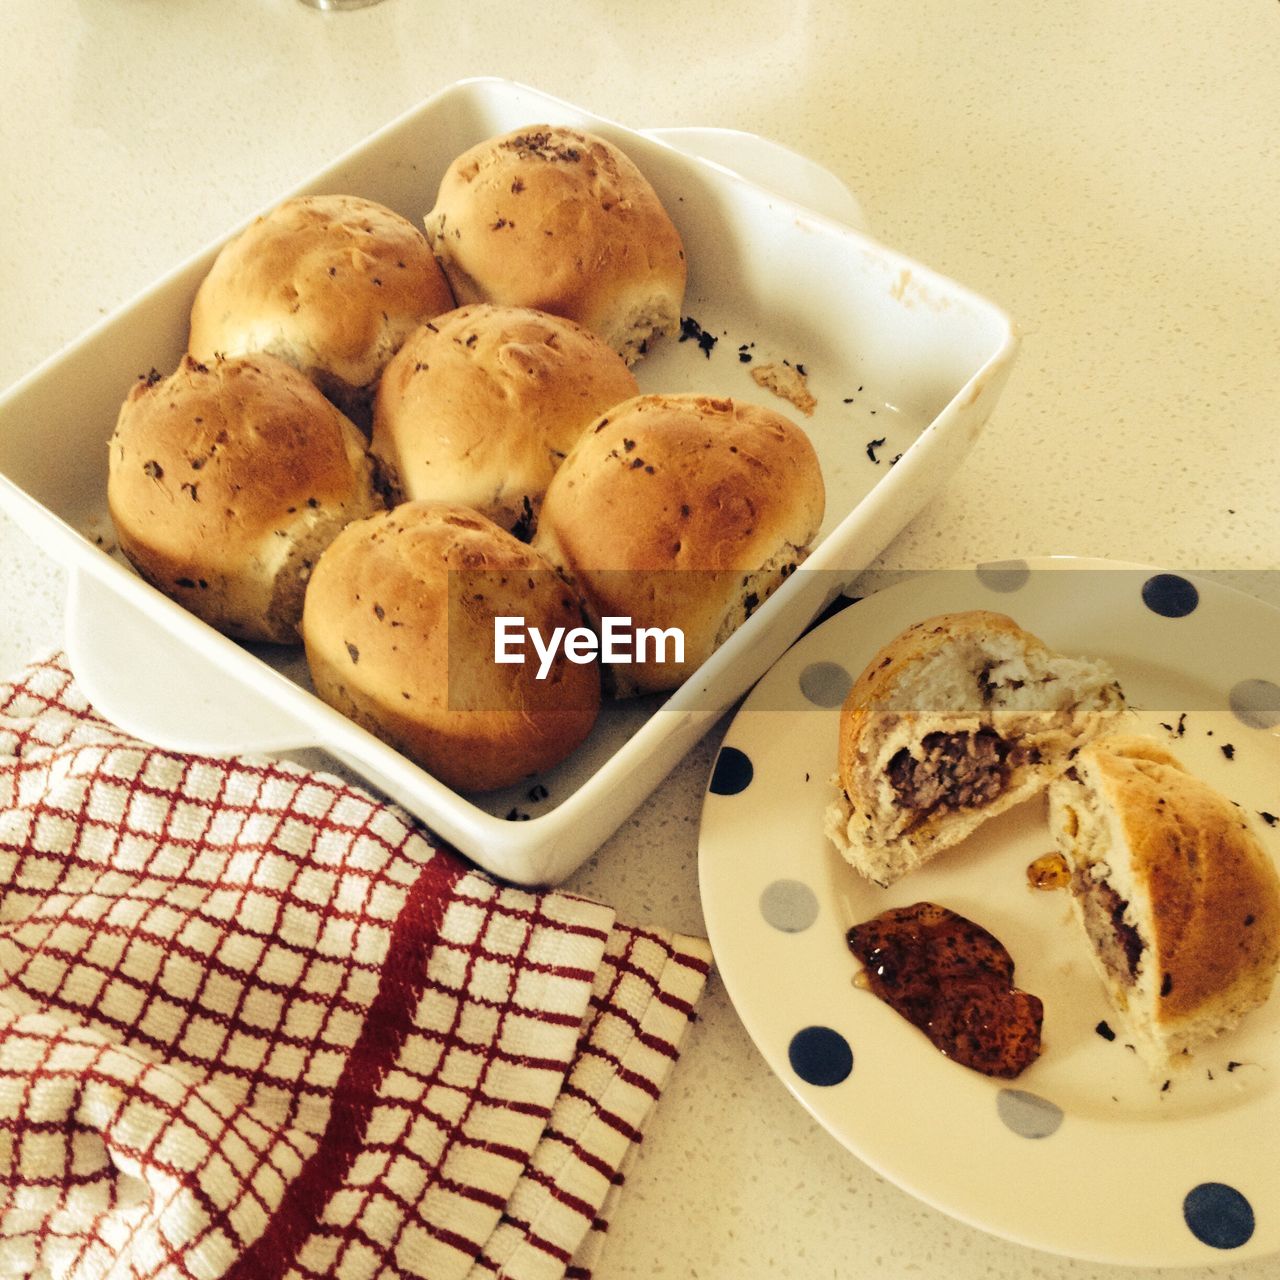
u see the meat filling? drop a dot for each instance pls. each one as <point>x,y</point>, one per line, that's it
<point>956,770</point>
<point>1117,942</point>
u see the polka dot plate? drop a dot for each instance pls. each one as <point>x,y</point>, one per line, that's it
<point>1083,1154</point>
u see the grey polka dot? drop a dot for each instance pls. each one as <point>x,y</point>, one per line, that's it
<point>825,684</point>
<point>1004,575</point>
<point>1028,1114</point>
<point>1255,703</point>
<point>789,906</point>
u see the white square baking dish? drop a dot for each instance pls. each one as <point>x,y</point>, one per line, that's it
<point>905,366</point>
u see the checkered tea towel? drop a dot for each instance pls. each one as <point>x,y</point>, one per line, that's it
<point>254,1025</point>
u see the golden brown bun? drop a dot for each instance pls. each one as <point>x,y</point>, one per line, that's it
<point>1007,707</point>
<point>682,511</point>
<point>481,404</point>
<point>562,221</point>
<point>1161,858</point>
<point>226,481</point>
<point>399,632</point>
<point>329,284</point>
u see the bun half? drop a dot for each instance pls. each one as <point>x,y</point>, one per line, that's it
<point>954,721</point>
<point>1178,898</point>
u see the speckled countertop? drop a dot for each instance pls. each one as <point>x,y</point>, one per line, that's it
<point>1108,173</point>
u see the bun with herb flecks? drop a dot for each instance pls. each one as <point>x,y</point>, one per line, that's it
<point>481,405</point>
<point>226,480</point>
<point>1178,898</point>
<point>562,221</point>
<point>331,284</point>
<point>682,512</point>
<point>400,625</point>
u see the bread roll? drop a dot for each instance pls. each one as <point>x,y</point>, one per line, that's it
<point>226,481</point>
<point>399,631</point>
<point>481,404</point>
<point>1177,897</point>
<point>329,284</point>
<point>562,221</point>
<point>682,511</point>
<point>955,720</point>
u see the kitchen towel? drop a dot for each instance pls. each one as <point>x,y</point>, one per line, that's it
<point>255,1024</point>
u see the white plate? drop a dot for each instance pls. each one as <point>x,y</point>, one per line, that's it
<point>1082,1155</point>
<point>896,355</point>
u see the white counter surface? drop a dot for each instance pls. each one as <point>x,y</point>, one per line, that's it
<point>1107,172</point>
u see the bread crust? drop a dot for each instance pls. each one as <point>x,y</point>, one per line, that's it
<point>562,221</point>
<point>1200,889</point>
<point>481,405</point>
<point>399,634</point>
<point>682,511</point>
<point>225,482</point>
<point>331,284</point>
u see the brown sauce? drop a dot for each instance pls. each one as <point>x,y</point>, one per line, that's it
<point>954,981</point>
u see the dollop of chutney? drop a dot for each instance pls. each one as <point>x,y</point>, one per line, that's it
<point>953,980</point>
<point>1049,871</point>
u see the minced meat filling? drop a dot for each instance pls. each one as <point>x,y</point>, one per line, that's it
<point>956,770</point>
<point>1118,943</point>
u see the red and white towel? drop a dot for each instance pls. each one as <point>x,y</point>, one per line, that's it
<point>254,1024</point>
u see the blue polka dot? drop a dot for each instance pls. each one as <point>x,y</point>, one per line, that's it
<point>825,684</point>
<point>1255,703</point>
<point>1170,595</point>
<point>1027,1114</point>
<point>1004,575</point>
<point>1218,1215</point>
<point>789,906</point>
<point>820,1056</point>
<point>732,774</point>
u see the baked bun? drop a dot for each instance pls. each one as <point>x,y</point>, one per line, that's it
<point>682,511</point>
<point>1179,901</point>
<point>329,284</point>
<point>481,404</point>
<point>562,221</point>
<point>226,481</point>
<point>955,720</point>
<point>400,637</point>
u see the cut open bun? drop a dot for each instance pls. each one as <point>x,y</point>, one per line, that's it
<point>955,720</point>
<point>1178,898</point>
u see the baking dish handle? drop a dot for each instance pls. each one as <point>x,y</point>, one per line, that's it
<point>772,166</point>
<point>155,686</point>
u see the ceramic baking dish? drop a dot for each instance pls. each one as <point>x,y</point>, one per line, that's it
<point>905,366</point>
